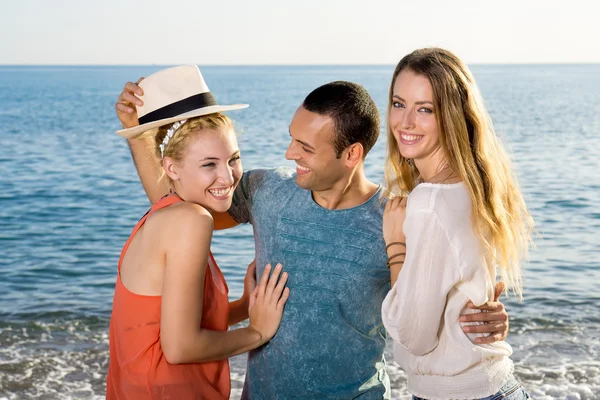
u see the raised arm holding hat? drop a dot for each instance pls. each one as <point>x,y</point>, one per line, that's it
<point>169,330</point>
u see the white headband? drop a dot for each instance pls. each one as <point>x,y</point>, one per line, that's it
<point>169,135</point>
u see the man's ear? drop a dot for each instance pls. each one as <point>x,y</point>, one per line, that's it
<point>353,154</point>
<point>170,168</point>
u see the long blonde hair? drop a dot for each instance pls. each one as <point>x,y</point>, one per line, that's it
<point>500,217</point>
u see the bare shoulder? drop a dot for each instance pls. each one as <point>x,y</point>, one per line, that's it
<point>185,219</point>
<point>187,209</point>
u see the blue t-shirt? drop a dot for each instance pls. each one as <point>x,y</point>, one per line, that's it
<point>331,339</point>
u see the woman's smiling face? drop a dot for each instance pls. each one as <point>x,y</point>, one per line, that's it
<point>210,170</point>
<point>412,116</point>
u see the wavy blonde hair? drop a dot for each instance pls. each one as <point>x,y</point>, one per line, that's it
<point>499,214</point>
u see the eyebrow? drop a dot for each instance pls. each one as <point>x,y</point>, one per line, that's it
<point>416,102</point>
<point>235,153</point>
<point>300,141</point>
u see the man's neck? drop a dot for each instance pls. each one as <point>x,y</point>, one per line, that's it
<point>353,192</point>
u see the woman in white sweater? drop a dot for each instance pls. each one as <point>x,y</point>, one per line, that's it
<point>463,221</point>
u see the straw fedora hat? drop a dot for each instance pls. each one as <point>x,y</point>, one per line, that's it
<point>171,95</point>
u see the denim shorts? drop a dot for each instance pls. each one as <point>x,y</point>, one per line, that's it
<point>511,390</point>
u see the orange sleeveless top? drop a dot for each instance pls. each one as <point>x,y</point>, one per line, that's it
<point>137,367</point>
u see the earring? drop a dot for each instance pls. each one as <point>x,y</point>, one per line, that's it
<point>410,162</point>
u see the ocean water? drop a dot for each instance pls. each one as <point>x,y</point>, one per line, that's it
<point>69,197</point>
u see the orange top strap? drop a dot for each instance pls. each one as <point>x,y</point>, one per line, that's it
<point>165,201</point>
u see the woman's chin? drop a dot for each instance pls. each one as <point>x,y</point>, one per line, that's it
<point>219,206</point>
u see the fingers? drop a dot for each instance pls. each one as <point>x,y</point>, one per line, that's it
<point>129,98</point>
<point>250,278</point>
<point>281,303</point>
<point>489,339</point>
<point>388,206</point>
<point>280,286</point>
<point>396,203</point>
<point>252,269</point>
<point>272,287</point>
<point>253,296</point>
<point>492,306</point>
<point>272,282</point>
<point>123,108</point>
<point>492,327</point>
<point>484,317</point>
<point>133,87</point>
<point>392,204</point>
<point>498,289</point>
<point>263,281</point>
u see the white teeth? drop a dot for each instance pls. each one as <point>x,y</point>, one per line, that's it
<point>220,192</point>
<point>301,168</point>
<point>410,138</point>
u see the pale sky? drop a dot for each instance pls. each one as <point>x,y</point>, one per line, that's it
<point>221,32</point>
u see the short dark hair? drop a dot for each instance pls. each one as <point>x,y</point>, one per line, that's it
<point>354,113</point>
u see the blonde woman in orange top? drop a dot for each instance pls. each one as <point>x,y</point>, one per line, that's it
<point>169,336</point>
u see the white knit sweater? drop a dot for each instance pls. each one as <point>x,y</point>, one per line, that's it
<point>442,272</point>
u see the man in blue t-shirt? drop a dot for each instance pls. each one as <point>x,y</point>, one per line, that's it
<point>323,223</point>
